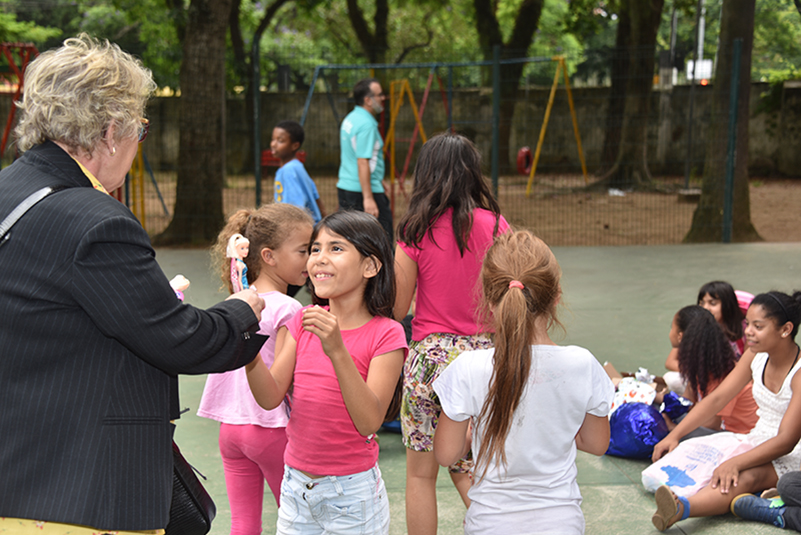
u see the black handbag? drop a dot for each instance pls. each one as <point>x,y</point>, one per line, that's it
<point>192,509</point>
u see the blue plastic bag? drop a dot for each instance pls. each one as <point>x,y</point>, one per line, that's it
<point>635,428</point>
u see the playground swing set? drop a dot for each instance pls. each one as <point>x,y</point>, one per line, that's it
<point>12,74</point>
<point>401,89</point>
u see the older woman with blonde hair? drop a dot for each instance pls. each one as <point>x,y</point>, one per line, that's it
<point>91,334</point>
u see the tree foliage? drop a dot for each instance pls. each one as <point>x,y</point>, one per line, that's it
<point>16,31</point>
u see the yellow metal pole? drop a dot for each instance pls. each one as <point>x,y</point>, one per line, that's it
<point>394,108</point>
<point>575,122</point>
<point>137,190</point>
<point>140,183</point>
<point>543,129</point>
<point>416,115</point>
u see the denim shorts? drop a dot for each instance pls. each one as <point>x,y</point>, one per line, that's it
<point>348,505</point>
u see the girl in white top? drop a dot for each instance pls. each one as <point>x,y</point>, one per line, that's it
<point>772,363</point>
<point>252,440</point>
<point>532,403</point>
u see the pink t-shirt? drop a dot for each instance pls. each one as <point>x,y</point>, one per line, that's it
<point>447,283</point>
<point>227,397</point>
<point>322,438</point>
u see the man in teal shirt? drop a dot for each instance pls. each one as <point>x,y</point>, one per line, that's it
<point>361,168</point>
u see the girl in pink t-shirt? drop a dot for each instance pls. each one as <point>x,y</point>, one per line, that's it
<point>252,440</point>
<point>342,359</point>
<point>451,222</point>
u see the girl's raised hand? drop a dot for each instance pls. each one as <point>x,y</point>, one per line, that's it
<point>725,476</point>
<point>322,323</point>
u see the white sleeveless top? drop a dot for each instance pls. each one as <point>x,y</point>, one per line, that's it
<point>770,410</point>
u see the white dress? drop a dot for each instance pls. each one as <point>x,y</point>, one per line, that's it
<point>537,491</point>
<point>771,409</point>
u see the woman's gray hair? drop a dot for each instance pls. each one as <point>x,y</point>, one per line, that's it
<point>73,94</point>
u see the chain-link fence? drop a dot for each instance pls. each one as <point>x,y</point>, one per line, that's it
<point>577,159</point>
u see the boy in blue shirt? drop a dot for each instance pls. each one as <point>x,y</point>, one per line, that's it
<point>293,185</point>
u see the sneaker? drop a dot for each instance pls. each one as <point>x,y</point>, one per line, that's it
<point>752,507</point>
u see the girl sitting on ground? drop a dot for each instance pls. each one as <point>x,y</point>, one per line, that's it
<point>533,403</point>
<point>771,362</point>
<point>705,359</point>
<point>719,298</point>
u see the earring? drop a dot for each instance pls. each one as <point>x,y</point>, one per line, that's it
<point>784,335</point>
<point>113,151</point>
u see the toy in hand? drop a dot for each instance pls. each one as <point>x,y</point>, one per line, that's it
<point>179,284</point>
<point>237,250</point>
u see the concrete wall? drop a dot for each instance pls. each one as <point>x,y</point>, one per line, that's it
<point>775,135</point>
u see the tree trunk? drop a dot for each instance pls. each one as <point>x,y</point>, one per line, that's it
<point>737,22</point>
<point>489,32</point>
<point>619,73</point>
<point>198,214</point>
<point>631,166</point>
<point>374,44</point>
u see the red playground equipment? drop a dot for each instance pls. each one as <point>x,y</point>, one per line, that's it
<point>268,160</point>
<point>17,55</point>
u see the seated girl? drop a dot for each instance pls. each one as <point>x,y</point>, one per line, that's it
<point>771,362</point>
<point>720,299</point>
<point>705,359</point>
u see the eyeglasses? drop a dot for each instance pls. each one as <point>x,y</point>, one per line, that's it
<point>144,128</point>
<point>378,96</point>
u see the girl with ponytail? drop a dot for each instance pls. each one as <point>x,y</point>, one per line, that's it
<point>533,403</point>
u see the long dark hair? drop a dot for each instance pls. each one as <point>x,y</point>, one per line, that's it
<point>368,236</point>
<point>705,355</point>
<point>781,308</point>
<point>729,308</point>
<point>447,175</point>
<point>522,257</point>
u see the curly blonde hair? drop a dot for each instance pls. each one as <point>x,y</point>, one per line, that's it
<point>75,92</point>
<point>269,226</point>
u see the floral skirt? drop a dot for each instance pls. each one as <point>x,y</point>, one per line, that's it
<point>420,408</point>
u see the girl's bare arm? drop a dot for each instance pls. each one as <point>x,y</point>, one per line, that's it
<point>405,282</point>
<point>593,437</point>
<point>727,474</point>
<point>708,407</point>
<point>270,385</point>
<point>450,440</point>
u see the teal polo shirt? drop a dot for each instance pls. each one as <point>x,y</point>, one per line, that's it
<point>359,138</point>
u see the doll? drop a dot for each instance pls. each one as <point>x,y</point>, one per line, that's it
<point>237,250</point>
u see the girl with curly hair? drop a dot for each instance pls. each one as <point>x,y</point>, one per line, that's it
<point>705,359</point>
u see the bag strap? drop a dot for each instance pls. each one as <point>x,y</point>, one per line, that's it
<point>20,210</point>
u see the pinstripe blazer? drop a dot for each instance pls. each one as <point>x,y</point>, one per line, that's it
<point>90,333</point>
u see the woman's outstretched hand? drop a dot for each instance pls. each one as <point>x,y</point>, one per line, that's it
<point>251,297</point>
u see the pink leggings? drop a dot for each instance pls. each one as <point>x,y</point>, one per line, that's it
<point>251,454</point>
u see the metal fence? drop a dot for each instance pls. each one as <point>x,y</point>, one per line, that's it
<point>561,123</point>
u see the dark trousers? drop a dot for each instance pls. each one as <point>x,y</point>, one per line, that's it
<point>789,488</point>
<point>353,200</point>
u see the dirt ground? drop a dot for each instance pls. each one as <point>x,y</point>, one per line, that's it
<point>560,218</point>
